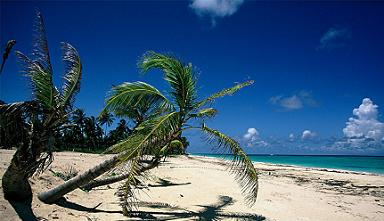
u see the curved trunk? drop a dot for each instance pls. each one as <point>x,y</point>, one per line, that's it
<point>17,189</point>
<point>56,193</point>
<point>114,179</point>
<point>15,181</point>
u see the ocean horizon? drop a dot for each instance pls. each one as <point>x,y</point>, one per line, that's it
<point>353,163</point>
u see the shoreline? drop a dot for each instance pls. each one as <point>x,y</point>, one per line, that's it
<point>191,188</point>
<point>328,169</point>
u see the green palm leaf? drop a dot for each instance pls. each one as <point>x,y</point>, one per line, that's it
<point>126,192</point>
<point>129,96</point>
<point>40,69</point>
<point>227,91</point>
<point>179,76</point>
<point>205,113</point>
<point>153,133</point>
<point>73,72</point>
<point>243,168</point>
<point>41,81</point>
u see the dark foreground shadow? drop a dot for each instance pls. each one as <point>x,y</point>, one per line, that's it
<point>23,210</point>
<point>166,183</point>
<point>71,205</point>
<point>208,213</point>
<point>168,212</point>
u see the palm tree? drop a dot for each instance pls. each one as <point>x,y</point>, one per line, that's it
<point>78,118</point>
<point>90,132</point>
<point>120,133</point>
<point>43,116</point>
<point>106,119</point>
<point>161,132</point>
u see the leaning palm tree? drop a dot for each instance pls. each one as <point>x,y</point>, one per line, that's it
<point>182,109</point>
<point>161,132</point>
<point>43,115</point>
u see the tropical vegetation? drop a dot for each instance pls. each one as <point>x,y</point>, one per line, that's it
<point>50,122</point>
<point>42,117</point>
<point>163,121</point>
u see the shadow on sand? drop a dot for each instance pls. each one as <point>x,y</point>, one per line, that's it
<point>208,213</point>
<point>24,210</point>
<point>71,205</point>
<point>166,183</point>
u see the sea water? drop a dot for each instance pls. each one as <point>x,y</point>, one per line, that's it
<point>370,164</point>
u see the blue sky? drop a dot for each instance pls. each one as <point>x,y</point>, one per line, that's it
<point>313,63</point>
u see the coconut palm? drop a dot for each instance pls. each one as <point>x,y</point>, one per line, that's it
<point>161,133</point>
<point>78,118</point>
<point>106,119</point>
<point>43,115</point>
<point>182,110</point>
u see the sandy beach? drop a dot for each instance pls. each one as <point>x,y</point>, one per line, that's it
<point>201,188</point>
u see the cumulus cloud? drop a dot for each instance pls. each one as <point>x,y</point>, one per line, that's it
<point>335,37</point>
<point>252,138</point>
<point>294,102</point>
<point>291,137</point>
<point>215,8</point>
<point>363,132</point>
<point>365,123</point>
<point>251,134</point>
<point>307,135</point>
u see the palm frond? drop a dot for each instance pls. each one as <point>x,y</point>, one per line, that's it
<point>227,91</point>
<point>179,76</point>
<point>126,192</point>
<point>73,74</point>
<point>137,174</point>
<point>17,108</point>
<point>153,133</point>
<point>205,113</point>
<point>135,95</point>
<point>242,166</point>
<point>41,81</point>
<point>40,44</point>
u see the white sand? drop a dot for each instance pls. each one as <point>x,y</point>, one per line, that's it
<point>198,188</point>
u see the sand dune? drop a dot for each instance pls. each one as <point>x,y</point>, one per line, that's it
<point>199,188</point>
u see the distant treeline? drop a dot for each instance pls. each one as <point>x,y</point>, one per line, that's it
<point>79,133</point>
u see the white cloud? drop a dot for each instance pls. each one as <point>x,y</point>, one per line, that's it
<point>215,8</point>
<point>291,137</point>
<point>365,123</point>
<point>251,134</point>
<point>335,37</point>
<point>294,102</point>
<point>252,138</point>
<point>307,135</point>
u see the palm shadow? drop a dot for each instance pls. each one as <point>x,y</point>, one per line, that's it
<point>208,213</point>
<point>71,205</point>
<point>166,183</point>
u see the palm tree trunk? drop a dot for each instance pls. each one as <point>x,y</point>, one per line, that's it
<point>15,181</point>
<point>56,193</point>
<point>102,182</point>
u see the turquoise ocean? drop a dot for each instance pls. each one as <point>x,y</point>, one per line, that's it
<point>370,164</point>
